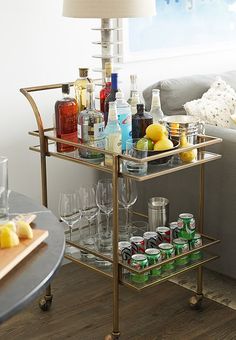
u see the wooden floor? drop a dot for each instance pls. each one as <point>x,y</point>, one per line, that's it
<point>82,308</point>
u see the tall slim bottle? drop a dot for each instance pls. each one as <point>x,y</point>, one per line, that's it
<point>156,111</point>
<point>124,117</point>
<point>112,96</point>
<point>140,121</point>
<point>112,133</point>
<point>80,88</point>
<point>66,115</point>
<point>106,90</point>
<point>91,127</point>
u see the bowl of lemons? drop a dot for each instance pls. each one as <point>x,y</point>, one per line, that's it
<point>158,142</point>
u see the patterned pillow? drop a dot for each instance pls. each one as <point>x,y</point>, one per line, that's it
<point>216,107</point>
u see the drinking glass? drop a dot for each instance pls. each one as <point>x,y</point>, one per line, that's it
<point>104,200</point>
<point>89,209</point>
<point>127,195</point>
<point>138,151</point>
<point>70,212</point>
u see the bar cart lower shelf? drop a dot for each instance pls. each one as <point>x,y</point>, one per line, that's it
<point>117,271</point>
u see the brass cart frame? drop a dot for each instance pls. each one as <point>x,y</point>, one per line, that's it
<point>47,139</point>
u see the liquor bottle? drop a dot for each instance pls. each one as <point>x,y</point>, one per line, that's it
<point>135,96</point>
<point>112,133</point>
<point>112,96</point>
<point>91,127</point>
<point>156,111</point>
<point>106,90</point>
<point>140,122</point>
<point>66,115</point>
<point>80,88</point>
<point>124,117</point>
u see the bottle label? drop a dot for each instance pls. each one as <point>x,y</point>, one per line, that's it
<point>114,142</point>
<point>79,131</point>
<point>98,130</point>
<point>126,127</point>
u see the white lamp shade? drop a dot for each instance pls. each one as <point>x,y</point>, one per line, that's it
<point>108,8</point>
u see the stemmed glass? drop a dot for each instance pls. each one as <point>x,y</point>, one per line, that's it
<point>104,200</point>
<point>127,195</point>
<point>70,212</point>
<point>89,209</point>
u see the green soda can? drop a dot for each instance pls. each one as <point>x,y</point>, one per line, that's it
<point>167,251</point>
<point>153,257</point>
<point>139,261</point>
<point>195,243</point>
<point>181,246</point>
<point>186,225</point>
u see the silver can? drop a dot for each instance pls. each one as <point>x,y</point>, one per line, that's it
<point>125,251</point>
<point>150,239</point>
<point>174,231</point>
<point>158,212</point>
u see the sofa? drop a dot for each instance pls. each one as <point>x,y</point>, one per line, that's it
<point>182,188</point>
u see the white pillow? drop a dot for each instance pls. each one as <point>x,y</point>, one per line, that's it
<point>216,107</point>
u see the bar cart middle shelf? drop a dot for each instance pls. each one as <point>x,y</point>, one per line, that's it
<point>47,148</point>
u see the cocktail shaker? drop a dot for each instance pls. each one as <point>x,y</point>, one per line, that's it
<point>158,212</point>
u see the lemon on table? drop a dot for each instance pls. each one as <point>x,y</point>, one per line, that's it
<point>163,144</point>
<point>24,230</point>
<point>156,131</point>
<point>8,238</point>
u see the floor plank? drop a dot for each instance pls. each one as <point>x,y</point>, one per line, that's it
<point>82,309</point>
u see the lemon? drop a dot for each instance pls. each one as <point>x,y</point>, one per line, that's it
<point>156,131</point>
<point>163,144</point>
<point>24,230</point>
<point>187,156</point>
<point>8,238</point>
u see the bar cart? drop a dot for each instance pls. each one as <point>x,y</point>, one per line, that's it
<point>46,148</point>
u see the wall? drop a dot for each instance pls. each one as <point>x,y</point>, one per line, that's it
<point>39,46</point>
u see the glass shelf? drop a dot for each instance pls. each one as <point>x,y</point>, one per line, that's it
<point>152,281</point>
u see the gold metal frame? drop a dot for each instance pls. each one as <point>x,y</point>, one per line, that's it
<point>46,138</point>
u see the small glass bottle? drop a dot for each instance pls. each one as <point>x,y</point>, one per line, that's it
<point>91,127</point>
<point>135,96</point>
<point>140,121</point>
<point>112,133</point>
<point>106,90</point>
<point>112,96</point>
<point>80,88</point>
<point>124,117</point>
<point>156,111</point>
<point>66,115</point>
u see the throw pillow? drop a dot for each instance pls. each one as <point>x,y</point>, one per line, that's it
<point>216,107</point>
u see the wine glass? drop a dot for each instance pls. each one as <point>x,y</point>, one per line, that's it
<point>104,200</point>
<point>89,209</point>
<point>127,195</point>
<point>69,212</point>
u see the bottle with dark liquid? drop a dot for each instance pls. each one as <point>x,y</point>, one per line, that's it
<point>112,95</point>
<point>106,90</point>
<point>66,116</point>
<point>140,121</point>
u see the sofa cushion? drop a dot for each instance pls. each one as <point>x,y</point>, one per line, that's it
<point>217,105</point>
<point>176,92</point>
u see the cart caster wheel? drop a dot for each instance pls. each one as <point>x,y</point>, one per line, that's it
<point>195,301</point>
<point>45,303</point>
<point>112,337</point>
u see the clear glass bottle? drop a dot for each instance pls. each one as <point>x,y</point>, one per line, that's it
<point>106,90</point>
<point>135,96</point>
<point>80,88</point>
<point>112,133</point>
<point>140,121</point>
<point>156,111</point>
<point>66,115</point>
<point>112,96</point>
<point>91,127</point>
<point>124,117</point>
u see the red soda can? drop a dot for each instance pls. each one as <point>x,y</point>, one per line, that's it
<point>137,245</point>
<point>163,235</point>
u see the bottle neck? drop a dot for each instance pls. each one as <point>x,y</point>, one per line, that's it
<point>156,102</point>
<point>133,84</point>
<point>65,95</point>
<point>114,83</point>
<point>89,101</point>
